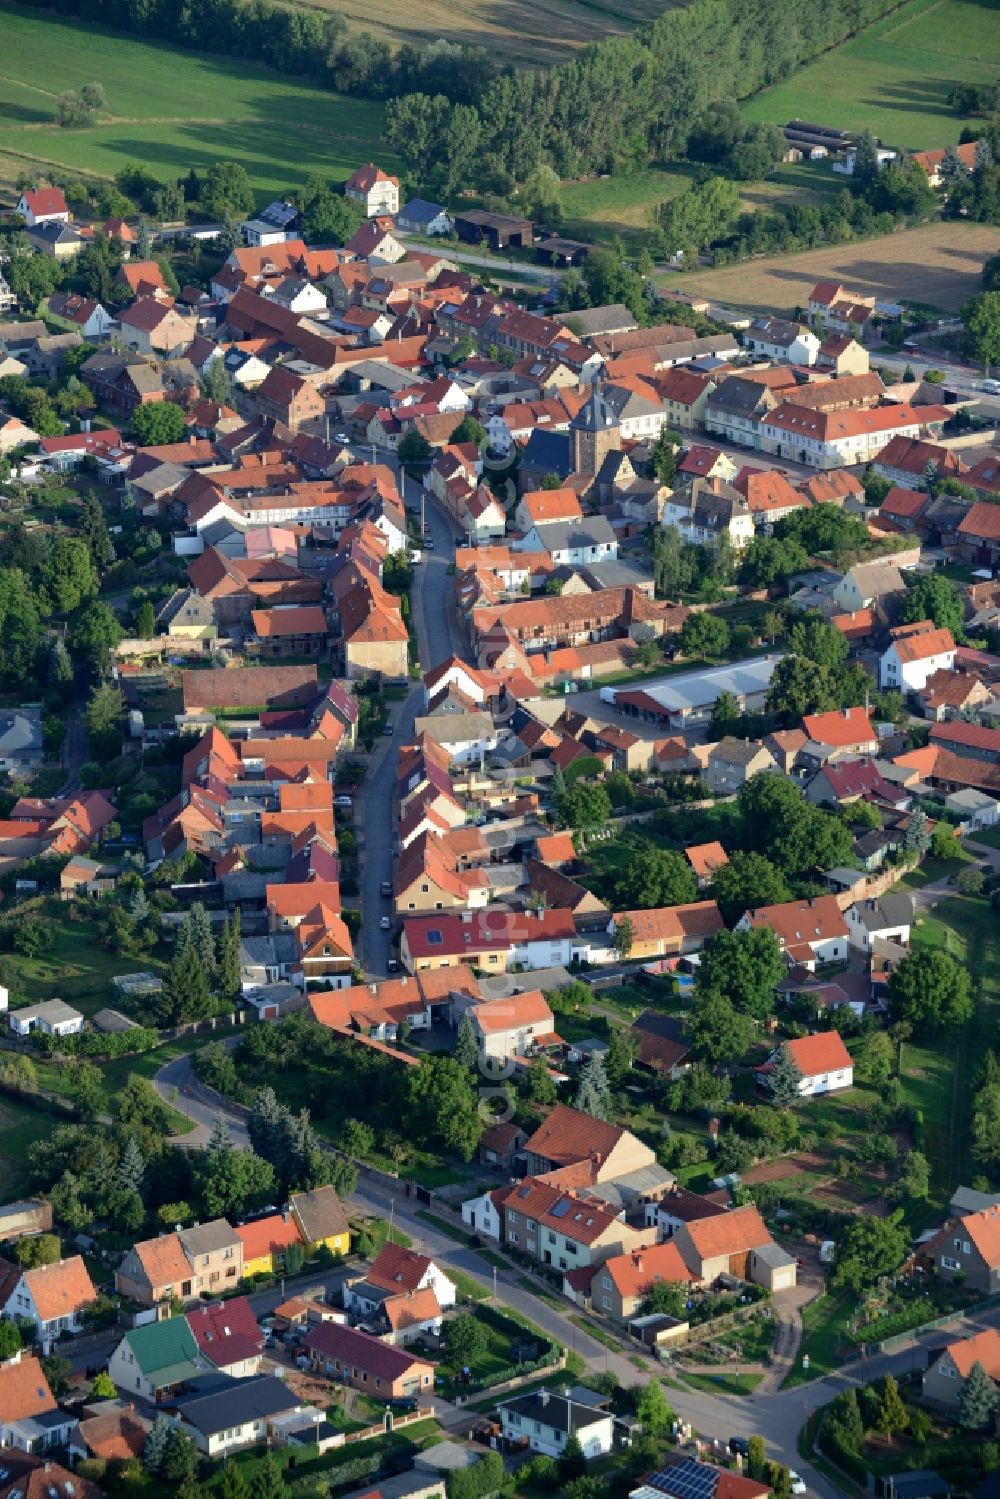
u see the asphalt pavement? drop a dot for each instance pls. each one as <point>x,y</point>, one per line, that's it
<point>777,1417</point>
<point>432,605</point>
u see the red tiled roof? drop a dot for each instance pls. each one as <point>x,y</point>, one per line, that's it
<point>819,1054</point>
<point>397,1268</point>
<point>361,1351</point>
<point>840,729</point>
<point>982,1348</point>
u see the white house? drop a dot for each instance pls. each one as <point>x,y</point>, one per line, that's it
<point>707,509</point>
<point>46,205</point>
<point>823,1060</point>
<point>53,1017</point>
<point>274,225</point>
<point>547,1419</point>
<point>374,189</point>
<point>889,917</point>
<point>239,1415</point>
<point>810,931</point>
<point>976,809</point>
<point>509,1027</point>
<point>401,1270</point>
<point>53,1297</point>
<point>572,543</point>
<point>912,658</point>
<point>301,296</point>
<point>776,338</point>
<point>30,1421</point>
<point>835,439</point>
<point>868,583</point>
<point>418,216</point>
<point>545,939</point>
<point>467,737</point>
<point>482,1216</point>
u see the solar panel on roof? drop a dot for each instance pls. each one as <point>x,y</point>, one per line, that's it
<point>561,1209</point>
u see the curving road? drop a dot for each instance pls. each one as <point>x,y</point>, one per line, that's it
<point>777,1417</point>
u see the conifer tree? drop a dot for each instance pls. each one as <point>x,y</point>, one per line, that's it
<point>978,1399</point>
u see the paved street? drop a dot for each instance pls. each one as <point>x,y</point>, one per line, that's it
<point>438,637</point>
<point>777,1417</point>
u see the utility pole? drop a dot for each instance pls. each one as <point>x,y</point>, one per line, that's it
<point>392,1215</point>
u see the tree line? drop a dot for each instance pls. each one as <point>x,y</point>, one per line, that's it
<point>617,104</point>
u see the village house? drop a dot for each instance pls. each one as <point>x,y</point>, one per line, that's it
<point>885,918</point>
<point>152,327</point>
<point>238,1414</point>
<point>155,1358</point>
<point>30,1420</point>
<point>563,1229</point>
<point>368,1364</point>
<point>733,762</point>
<point>568,1137</point>
<point>511,1027</point>
<point>43,205</point>
<point>810,931</point>
<point>375,190</point>
<point>228,1336</point>
<point>915,654</point>
<point>842,734</point>
<point>54,1298</point>
<point>617,1287</point>
<point>547,1420</point>
<point>945,1377</point>
<point>869,584</point>
<point>969,1249</point>
<point>737,1243</point>
<point>823,1060</point>
<point>321,1220</point>
<point>669,930</point>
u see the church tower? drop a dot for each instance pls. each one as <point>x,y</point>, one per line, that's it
<point>595,432</point>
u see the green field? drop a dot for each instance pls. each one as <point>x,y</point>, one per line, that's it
<point>170,109</point>
<point>894,79</point>
<point>20,1126</point>
<point>75,968</point>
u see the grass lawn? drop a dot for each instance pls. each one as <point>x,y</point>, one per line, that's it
<point>172,109</point>
<point>823,1324</point>
<point>988,836</point>
<point>894,79</point>
<point>723,1383</point>
<point>74,967</point>
<point>932,870</point>
<point>20,1126</point>
<point>557,1380</point>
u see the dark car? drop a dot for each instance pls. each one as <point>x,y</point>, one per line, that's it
<point>739,1446</point>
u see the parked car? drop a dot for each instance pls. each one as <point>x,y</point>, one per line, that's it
<point>386,887</point>
<point>796,1484</point>
<point>385,924</point>
<point>343,800</point>
<point>739,1446</point>
<point>387,728</point>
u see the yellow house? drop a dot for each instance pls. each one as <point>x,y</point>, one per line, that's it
<point>320,1218</point>
<point>265,1242</point>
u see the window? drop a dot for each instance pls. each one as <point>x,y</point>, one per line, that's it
<point>948,1371</point>
<point>949,1264</point>
<point>606,1301</point>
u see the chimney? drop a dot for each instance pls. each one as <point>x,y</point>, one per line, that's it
<point>543,1398</point>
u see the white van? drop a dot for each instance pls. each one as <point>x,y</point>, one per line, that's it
<point>990,387</point>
